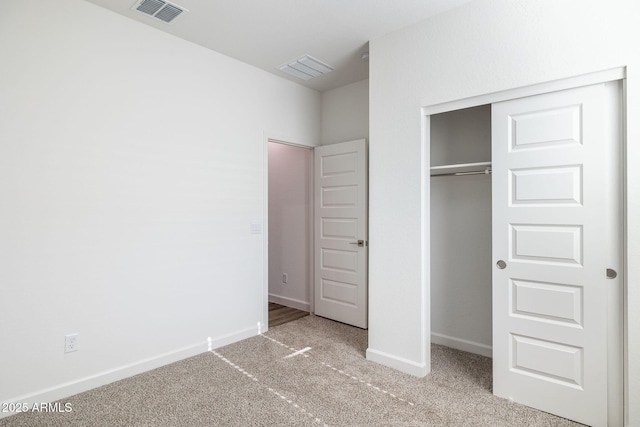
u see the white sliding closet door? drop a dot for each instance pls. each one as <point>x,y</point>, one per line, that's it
<point>551,236</point>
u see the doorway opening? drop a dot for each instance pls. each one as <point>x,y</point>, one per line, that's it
<point>316,245</point>
<point>290,227</point>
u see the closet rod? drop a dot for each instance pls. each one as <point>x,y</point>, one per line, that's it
<point>484,172</point>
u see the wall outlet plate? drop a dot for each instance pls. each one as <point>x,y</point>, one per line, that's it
<point>70,343</point>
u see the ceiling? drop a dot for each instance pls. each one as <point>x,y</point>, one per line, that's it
<point>271,33</point>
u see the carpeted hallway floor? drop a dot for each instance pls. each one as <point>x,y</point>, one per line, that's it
<point>310,372</point>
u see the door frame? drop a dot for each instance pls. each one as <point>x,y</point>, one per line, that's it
<point>263,324</point>
<point>604,76</point>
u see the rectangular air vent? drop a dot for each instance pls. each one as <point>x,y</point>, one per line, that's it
<point>306,67</point>
<point>159,9</point>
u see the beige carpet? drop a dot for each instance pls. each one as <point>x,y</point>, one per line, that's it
<point>310,372</point>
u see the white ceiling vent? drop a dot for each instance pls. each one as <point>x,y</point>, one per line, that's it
<point>159,9</point>
<point>306,67</point>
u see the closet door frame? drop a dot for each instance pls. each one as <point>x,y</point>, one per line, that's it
<point>617,74</point>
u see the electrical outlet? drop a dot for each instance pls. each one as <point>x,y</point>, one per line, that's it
<point>70,343</point>
<point>285,277</point>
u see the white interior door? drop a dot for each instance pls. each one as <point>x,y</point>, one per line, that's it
<point>340,193</point>
<point>553,231</point>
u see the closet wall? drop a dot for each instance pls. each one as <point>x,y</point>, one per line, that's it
<point>461,232</point>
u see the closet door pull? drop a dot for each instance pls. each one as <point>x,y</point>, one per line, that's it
<point>611,273</point>
<point>501,264</point>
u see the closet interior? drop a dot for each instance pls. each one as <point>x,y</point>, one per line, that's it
<point>461,237</point>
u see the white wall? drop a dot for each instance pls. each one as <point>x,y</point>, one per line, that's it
<point>131,167</point>
<point>460,241</point>
<point>290,201</point>
<point>482,47</point>
<point>345,113</point>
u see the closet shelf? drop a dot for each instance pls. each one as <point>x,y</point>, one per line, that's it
<point>462,169</point>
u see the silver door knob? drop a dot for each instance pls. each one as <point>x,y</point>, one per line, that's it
<point>501,264</point>
<point>611,273</point>
<point>360,243</point>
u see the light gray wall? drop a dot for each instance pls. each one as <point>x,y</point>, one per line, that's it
<point>290,204</point>
<point>131,171</point>
<point>345,113</point>
<point>461,136</point>
<point>482,47</point>
<point>461,232</point>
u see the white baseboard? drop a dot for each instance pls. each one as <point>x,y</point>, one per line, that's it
<point>403,365</point>
<point>87,383</point>
<point>234,337</point>
<point>290,302</point>
<point>460,344</point>
<point>419,369</point>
